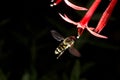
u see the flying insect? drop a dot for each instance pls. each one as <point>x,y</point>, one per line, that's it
<point>66,43</point>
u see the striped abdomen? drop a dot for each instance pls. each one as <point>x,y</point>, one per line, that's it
<point>61,48</point>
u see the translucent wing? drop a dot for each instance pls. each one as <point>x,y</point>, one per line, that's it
<point>74,51</point>
<point>56,35</point>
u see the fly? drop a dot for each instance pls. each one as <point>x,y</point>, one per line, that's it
<point>66,43</point>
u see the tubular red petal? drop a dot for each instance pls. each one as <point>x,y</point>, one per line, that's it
<point>80,31</point>
<point>74,6</point>
<point>95,34</point>
<point>106,15</point>
<point>90,12</point>
<point>58,1</point>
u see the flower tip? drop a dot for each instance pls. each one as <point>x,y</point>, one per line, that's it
<point>51,5</point>
<point>54,4</point>
<point>106,37</point>
<point>78,36</point>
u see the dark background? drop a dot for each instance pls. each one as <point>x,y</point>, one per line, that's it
<point>26,45</point>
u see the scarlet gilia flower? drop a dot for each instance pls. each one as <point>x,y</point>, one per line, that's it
<point>83,23</point>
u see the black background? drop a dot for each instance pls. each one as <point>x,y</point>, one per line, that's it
<point>21,22</point>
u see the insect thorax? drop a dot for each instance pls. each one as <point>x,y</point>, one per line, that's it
<point>69,41</point>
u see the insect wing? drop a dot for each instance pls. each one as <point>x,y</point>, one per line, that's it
<point>74,51</point>
<point>56,35</point>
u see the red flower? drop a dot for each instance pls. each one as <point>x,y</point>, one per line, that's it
<point>82,24</point>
